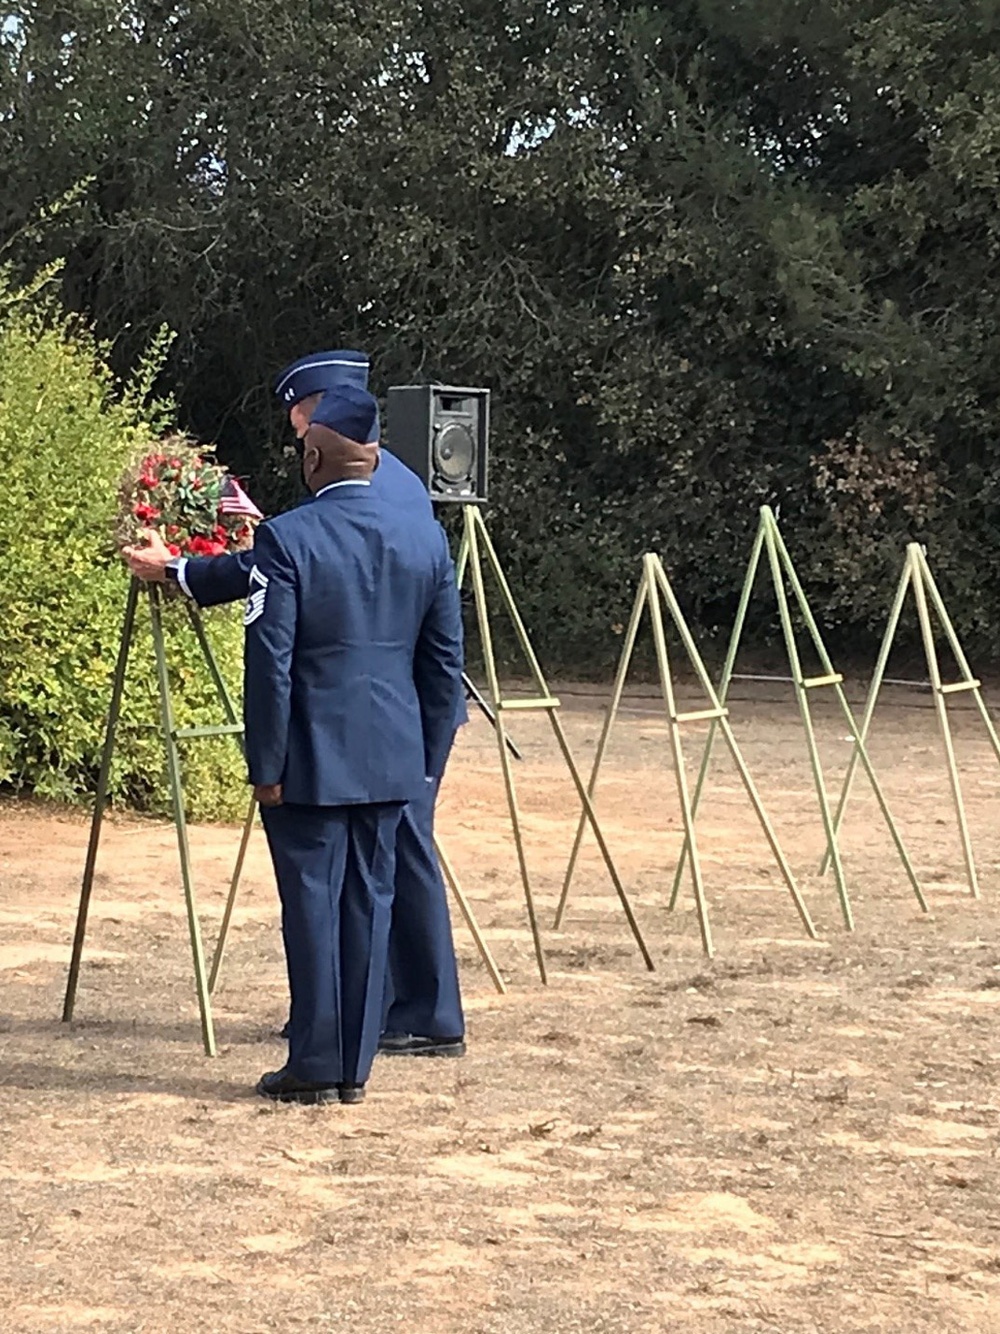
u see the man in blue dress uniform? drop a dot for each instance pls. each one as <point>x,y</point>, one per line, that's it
<point>352,686</point>
<point>423,1001</point>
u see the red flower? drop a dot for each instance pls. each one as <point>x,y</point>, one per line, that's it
<point>145,513</point>
<point>173,548</point>
<point>205,546</point>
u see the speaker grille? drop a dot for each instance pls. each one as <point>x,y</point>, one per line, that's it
<point>454,452</point>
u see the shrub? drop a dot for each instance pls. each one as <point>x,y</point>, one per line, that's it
<point>66,434</point>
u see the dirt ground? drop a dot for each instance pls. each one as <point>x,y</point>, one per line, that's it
<point>795,1136</point>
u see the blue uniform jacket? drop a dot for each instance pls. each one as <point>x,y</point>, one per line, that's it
<point>353,651</point>
<point>214,580</point>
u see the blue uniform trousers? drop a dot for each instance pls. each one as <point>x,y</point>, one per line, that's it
<point>335,870</point>
<point>422,992</point>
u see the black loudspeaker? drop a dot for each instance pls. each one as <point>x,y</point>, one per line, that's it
<point>442,434</point>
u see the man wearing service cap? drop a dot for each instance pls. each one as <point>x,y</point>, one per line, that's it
<point>213,580</point>
<point>353,677</point>
<point>424,1009</point>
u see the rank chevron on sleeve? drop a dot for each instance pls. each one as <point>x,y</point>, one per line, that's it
<point>255,599</point>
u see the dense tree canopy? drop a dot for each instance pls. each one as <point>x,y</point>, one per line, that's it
<point>705,254</point>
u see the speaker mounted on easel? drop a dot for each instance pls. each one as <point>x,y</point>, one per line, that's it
<point>441,433</point>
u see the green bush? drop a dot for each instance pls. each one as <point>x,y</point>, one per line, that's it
<point>66,433</point>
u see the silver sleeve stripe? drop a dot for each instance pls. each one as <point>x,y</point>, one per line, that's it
<point>254,609</point>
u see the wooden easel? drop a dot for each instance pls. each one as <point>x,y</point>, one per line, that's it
<point>654,586</point>
<point>171,736</point>
<point>769,539</point>
<point>917,576</point>
<point>476,548</point>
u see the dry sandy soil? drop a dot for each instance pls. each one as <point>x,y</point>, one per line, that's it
<point>795,1136</point>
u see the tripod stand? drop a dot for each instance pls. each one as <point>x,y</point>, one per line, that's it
<point>472,692</point>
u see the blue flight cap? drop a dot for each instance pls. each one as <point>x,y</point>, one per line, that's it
<point>351,412</point>
<point>320,371</point>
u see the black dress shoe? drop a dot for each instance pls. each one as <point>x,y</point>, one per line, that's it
<point>351,1092</point>
<point>282,1086</point>
<point>409,1044</point>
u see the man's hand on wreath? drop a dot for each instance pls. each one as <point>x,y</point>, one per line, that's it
<point>268,794</point>
<point>148,562</point>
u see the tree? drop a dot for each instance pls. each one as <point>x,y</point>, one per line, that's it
<point>706,255</point>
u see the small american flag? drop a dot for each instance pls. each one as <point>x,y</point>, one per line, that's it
<point>235,500</point>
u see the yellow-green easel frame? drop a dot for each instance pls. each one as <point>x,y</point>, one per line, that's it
<point>171,736</point>
<point>653,586</point>
<point>917,575</point>
<point>769,539</point>
<point>475,546</point>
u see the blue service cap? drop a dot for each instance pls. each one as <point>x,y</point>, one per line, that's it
<point>351,412</point>
<point>320,371</point>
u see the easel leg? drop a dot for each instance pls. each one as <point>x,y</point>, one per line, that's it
<point>934,671</point>
<point>220,945</point>
<point>470,920</point>
<point>471,545</point>
<point>591,816</point>
<point>100,800</point>
<point>802,694</point>
<point>727,673</point>
<point>546,702</point>
<point>695,658</point>
<point>226,700</point>
<point>177,798</point>
<point>956,648</point>
<point>769,834</point>
<point>667,686</point>
<point>461,564</point>
<point>873,691</point>
<point>616,694</point>
<point>229,709</point>
<point>845,709</point>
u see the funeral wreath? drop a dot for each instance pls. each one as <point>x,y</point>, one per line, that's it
<point>181,492</point>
